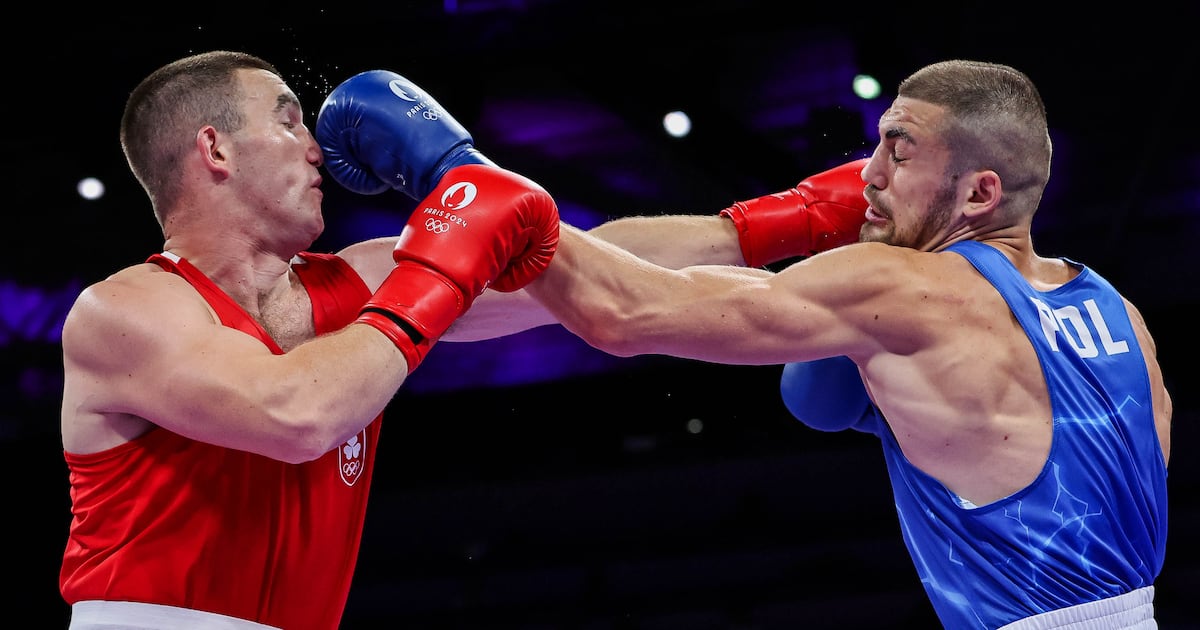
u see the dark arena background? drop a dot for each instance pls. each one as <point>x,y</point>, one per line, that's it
<point>532,482</point>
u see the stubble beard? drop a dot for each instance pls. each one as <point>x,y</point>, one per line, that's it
<point>928,233</point>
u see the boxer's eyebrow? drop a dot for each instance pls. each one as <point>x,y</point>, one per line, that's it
<point>283,101</point>
<point>899,132</point>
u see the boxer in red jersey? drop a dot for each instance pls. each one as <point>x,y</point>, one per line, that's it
<point>222,401</point>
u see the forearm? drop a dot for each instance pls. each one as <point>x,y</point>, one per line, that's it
<point>672,241</point>
<point>495,314</point>
<point>675,241</point>
<point>330,388</point>
<point>292,407</point>
<point>592,286</point>
<point>624,306</point>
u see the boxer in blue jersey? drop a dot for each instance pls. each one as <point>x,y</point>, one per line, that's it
<point>1020,404</point>
<point>1091,526</point>
<point>1022,411</point>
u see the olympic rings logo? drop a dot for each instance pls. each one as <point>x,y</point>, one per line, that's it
<point>431,114</point>
<point>437,226</point>
<point>351,458</point>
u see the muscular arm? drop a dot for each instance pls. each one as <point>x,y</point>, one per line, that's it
<point>822,212</point>
<point>627,306</point>
<point>673,241</point>
<point>142,347</point>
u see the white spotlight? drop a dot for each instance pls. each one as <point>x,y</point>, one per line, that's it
<point>90,188</point>
<point>677,124</point>
<point>866,87</point>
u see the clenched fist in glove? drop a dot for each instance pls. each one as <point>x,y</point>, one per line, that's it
<point>822,212</point>
<point>378,130</point>
<point>482,225</point>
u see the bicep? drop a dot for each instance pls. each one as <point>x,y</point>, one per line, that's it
<point>810,310</point>
<point>159,354</point>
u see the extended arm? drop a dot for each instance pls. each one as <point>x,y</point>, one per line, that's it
<point>820,213</point>
<point>625,306</point>
<point>673,241</point>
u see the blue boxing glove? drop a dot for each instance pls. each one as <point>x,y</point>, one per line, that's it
<point>826,394</point>
<point>378,130</point>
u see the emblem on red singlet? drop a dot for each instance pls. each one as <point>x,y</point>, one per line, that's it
<point>352,458</point>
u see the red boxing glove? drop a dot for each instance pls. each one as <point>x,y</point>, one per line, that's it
<point>822,212</point>
<point>481,225</point>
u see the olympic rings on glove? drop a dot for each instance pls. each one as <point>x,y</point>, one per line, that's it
<point>437,226</point>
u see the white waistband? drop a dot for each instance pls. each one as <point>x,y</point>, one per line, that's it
<point>102,615</point>
<point>1132,611</point>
